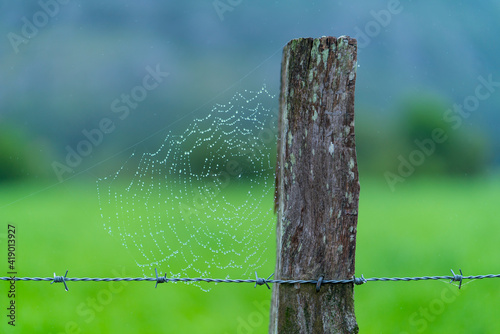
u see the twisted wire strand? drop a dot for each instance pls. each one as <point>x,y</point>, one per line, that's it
<point>257,281</point>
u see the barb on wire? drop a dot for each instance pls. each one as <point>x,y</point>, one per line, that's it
<point>59,279</point>
<point>261,281</point>
<point>318,285</point>
<point>258,281</point>
<point>161,279</point>
<point>359,280</point>
<point>457,278</point>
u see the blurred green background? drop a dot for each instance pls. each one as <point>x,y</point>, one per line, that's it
<point>426,205</point>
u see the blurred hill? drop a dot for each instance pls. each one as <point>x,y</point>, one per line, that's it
<point>64,79</point>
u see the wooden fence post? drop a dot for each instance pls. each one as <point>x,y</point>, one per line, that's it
<point>317,187</point>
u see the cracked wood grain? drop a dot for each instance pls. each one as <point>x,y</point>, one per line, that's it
<point>317,188</point>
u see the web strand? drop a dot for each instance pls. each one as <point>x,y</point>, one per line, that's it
<point>201,204</point>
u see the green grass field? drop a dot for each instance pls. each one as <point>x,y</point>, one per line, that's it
<point>425,227</point>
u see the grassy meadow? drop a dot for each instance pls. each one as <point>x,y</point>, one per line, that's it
<point>424,227</point>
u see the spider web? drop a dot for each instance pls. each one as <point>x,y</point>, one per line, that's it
<point>202,204</point>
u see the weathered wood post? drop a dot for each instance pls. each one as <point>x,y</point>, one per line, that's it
<point>317,187</point>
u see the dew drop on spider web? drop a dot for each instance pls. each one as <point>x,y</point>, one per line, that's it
<point>202,204</point>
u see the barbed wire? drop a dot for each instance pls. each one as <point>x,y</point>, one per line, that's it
<point>258,281</point>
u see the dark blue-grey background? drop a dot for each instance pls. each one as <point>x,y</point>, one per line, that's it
<point>63,79</point>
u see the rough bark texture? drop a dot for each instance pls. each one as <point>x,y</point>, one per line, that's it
<point>317,187</point>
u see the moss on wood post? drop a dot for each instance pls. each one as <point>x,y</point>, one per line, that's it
<point>317,187</point>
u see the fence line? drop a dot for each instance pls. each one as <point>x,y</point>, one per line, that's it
<point>258,281</point>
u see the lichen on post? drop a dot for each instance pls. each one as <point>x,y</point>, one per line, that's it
<point>317,188</point>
